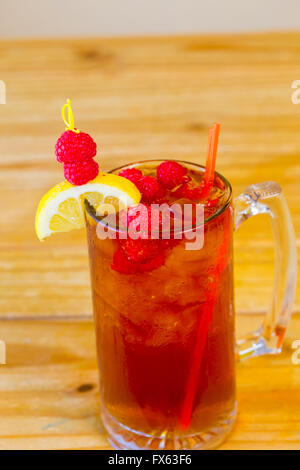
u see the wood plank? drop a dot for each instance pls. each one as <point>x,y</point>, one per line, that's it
<point>49,395</point>
<point>141,98</point>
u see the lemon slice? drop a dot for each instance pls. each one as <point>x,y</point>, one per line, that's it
<point>61,208</point>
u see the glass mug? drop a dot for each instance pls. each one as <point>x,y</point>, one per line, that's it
<point>165,338</point>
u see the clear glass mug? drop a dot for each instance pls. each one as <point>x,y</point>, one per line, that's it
<point>165,337</point>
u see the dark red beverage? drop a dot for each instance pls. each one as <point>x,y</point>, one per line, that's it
<point>165,331</point>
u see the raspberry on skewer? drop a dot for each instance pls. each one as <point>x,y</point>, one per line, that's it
<point>82,172</point>
<point>76,151</point>
<point>73,147</point>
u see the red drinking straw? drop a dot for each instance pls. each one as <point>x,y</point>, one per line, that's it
<point>213,139</point>
<point>202,333</point>
<point>206,315</point>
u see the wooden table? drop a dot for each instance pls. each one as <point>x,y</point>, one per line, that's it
<point>139,98</point>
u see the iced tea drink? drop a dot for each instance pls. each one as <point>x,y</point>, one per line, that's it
<point>165,329</point>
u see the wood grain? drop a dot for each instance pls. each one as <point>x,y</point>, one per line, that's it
<point>49,390</point>
<point>140,98</point>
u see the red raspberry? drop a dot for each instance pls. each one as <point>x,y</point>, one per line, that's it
<point>81,173</point>
<point>132,174</point>
<point>190,191</point>
<point>139,218</point>
<point>170,174</point>
<point>159,196</point>
<point>139,250</point>
<point>150,189</point>
<point>121,263</point>
<point>74,147</point>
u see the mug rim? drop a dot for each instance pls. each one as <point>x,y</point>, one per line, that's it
<point>221,209</point>
<point>225,180</point>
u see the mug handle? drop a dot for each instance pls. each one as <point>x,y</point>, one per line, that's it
<point>267,198</point>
